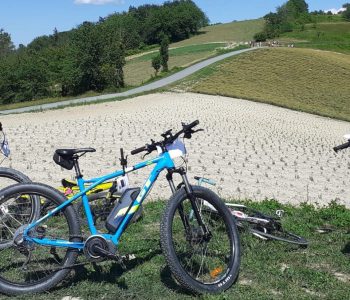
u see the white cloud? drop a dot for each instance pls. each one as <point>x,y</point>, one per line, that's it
<point>335,11</point>
<point>99,2</point>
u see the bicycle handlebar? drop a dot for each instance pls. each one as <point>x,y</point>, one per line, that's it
<point>342,147</point>
<point>168,138</point>
<point>138,150</point>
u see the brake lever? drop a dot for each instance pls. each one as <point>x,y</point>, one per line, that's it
<point>143,156</point>
<point>197,130</point>
<point>188,134</point>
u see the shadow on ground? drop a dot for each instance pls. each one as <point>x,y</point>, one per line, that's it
<point>170,283</point>
<point>346,249</point>
<point>99,274</point>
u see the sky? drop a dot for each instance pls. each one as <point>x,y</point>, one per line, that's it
<point>26,19</point>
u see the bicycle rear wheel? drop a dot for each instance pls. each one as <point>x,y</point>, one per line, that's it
<point>27,267</point>
<point>10,176</point>
<point>20,211</point>
<point>201,263</point>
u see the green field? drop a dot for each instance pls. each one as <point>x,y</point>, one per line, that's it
<point>325,36</point>
<point>302,79</point>
<point>241,31</point>
<point>139,69</point>
<point>196,48</point>
<point>269,269</point>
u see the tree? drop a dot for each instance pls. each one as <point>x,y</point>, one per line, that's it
<point>164,53</point>
<point>346,13</point>
<point>292,14</point>
<point>260,37</point>
<point>272,25</point>
<point>6,45</point>
<point>92,56</point>
<point>87,53</point>
<point>55,35</point>
<point>23,77</point>
<point>297,7</point>
<point>113,64</point>
<point>156,63</point>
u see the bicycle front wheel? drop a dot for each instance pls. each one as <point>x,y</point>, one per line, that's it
<point>202,263</point>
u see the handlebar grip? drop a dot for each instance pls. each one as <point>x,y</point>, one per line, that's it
<point>138,150</point>
<point>193,124</point>
<point>341,147</point>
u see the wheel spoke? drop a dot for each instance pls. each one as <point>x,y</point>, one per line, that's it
<point>25,262</point>
<point>198,256</point>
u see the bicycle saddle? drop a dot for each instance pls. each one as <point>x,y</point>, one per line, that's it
<point>71,152</point>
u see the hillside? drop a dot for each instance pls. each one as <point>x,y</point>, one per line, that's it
<point>198,47</point>
<point>90,57</point>
<point>333,36</point>
<point>139,69</point>
<point>228,32</point>
<point>302,79</point>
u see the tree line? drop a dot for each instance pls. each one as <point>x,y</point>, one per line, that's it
<point>92,55</point>
<point>293,14</point>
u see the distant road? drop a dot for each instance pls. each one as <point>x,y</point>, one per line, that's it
<point>145,88</point>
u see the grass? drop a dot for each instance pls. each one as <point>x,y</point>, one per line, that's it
<point>242,31</point>
<point>327,18</point>
<point>139,69</point>
<point>325,36</point>
<point>269,269</point>
<point>301,79</point>
<point>196,48</point>
<point>44,101</point>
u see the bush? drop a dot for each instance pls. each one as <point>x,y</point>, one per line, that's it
<point>260,37</point>
<point>156,63</point>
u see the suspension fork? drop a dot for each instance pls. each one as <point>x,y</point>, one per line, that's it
<point>190,195</point>
<point>184,219</point>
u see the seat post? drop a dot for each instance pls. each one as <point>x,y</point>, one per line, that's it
<point>76,167</point>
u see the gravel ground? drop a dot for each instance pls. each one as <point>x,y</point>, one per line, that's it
<point>252,150</point>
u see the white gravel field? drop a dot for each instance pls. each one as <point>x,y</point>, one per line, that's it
<point>252,150</point>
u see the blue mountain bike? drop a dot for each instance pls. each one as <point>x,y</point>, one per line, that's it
<point>202,251</point>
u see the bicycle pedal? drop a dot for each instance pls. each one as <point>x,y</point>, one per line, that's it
<point>129,257</point>
<point>121,262</point>
<point>114,256</point>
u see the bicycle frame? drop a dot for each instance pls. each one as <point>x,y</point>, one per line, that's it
<point>163,161</point>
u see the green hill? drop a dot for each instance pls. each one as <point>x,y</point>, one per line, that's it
<point>302,79</point>
<point>333,36</point>
<point>228,32</point>
<point>138,69</point>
